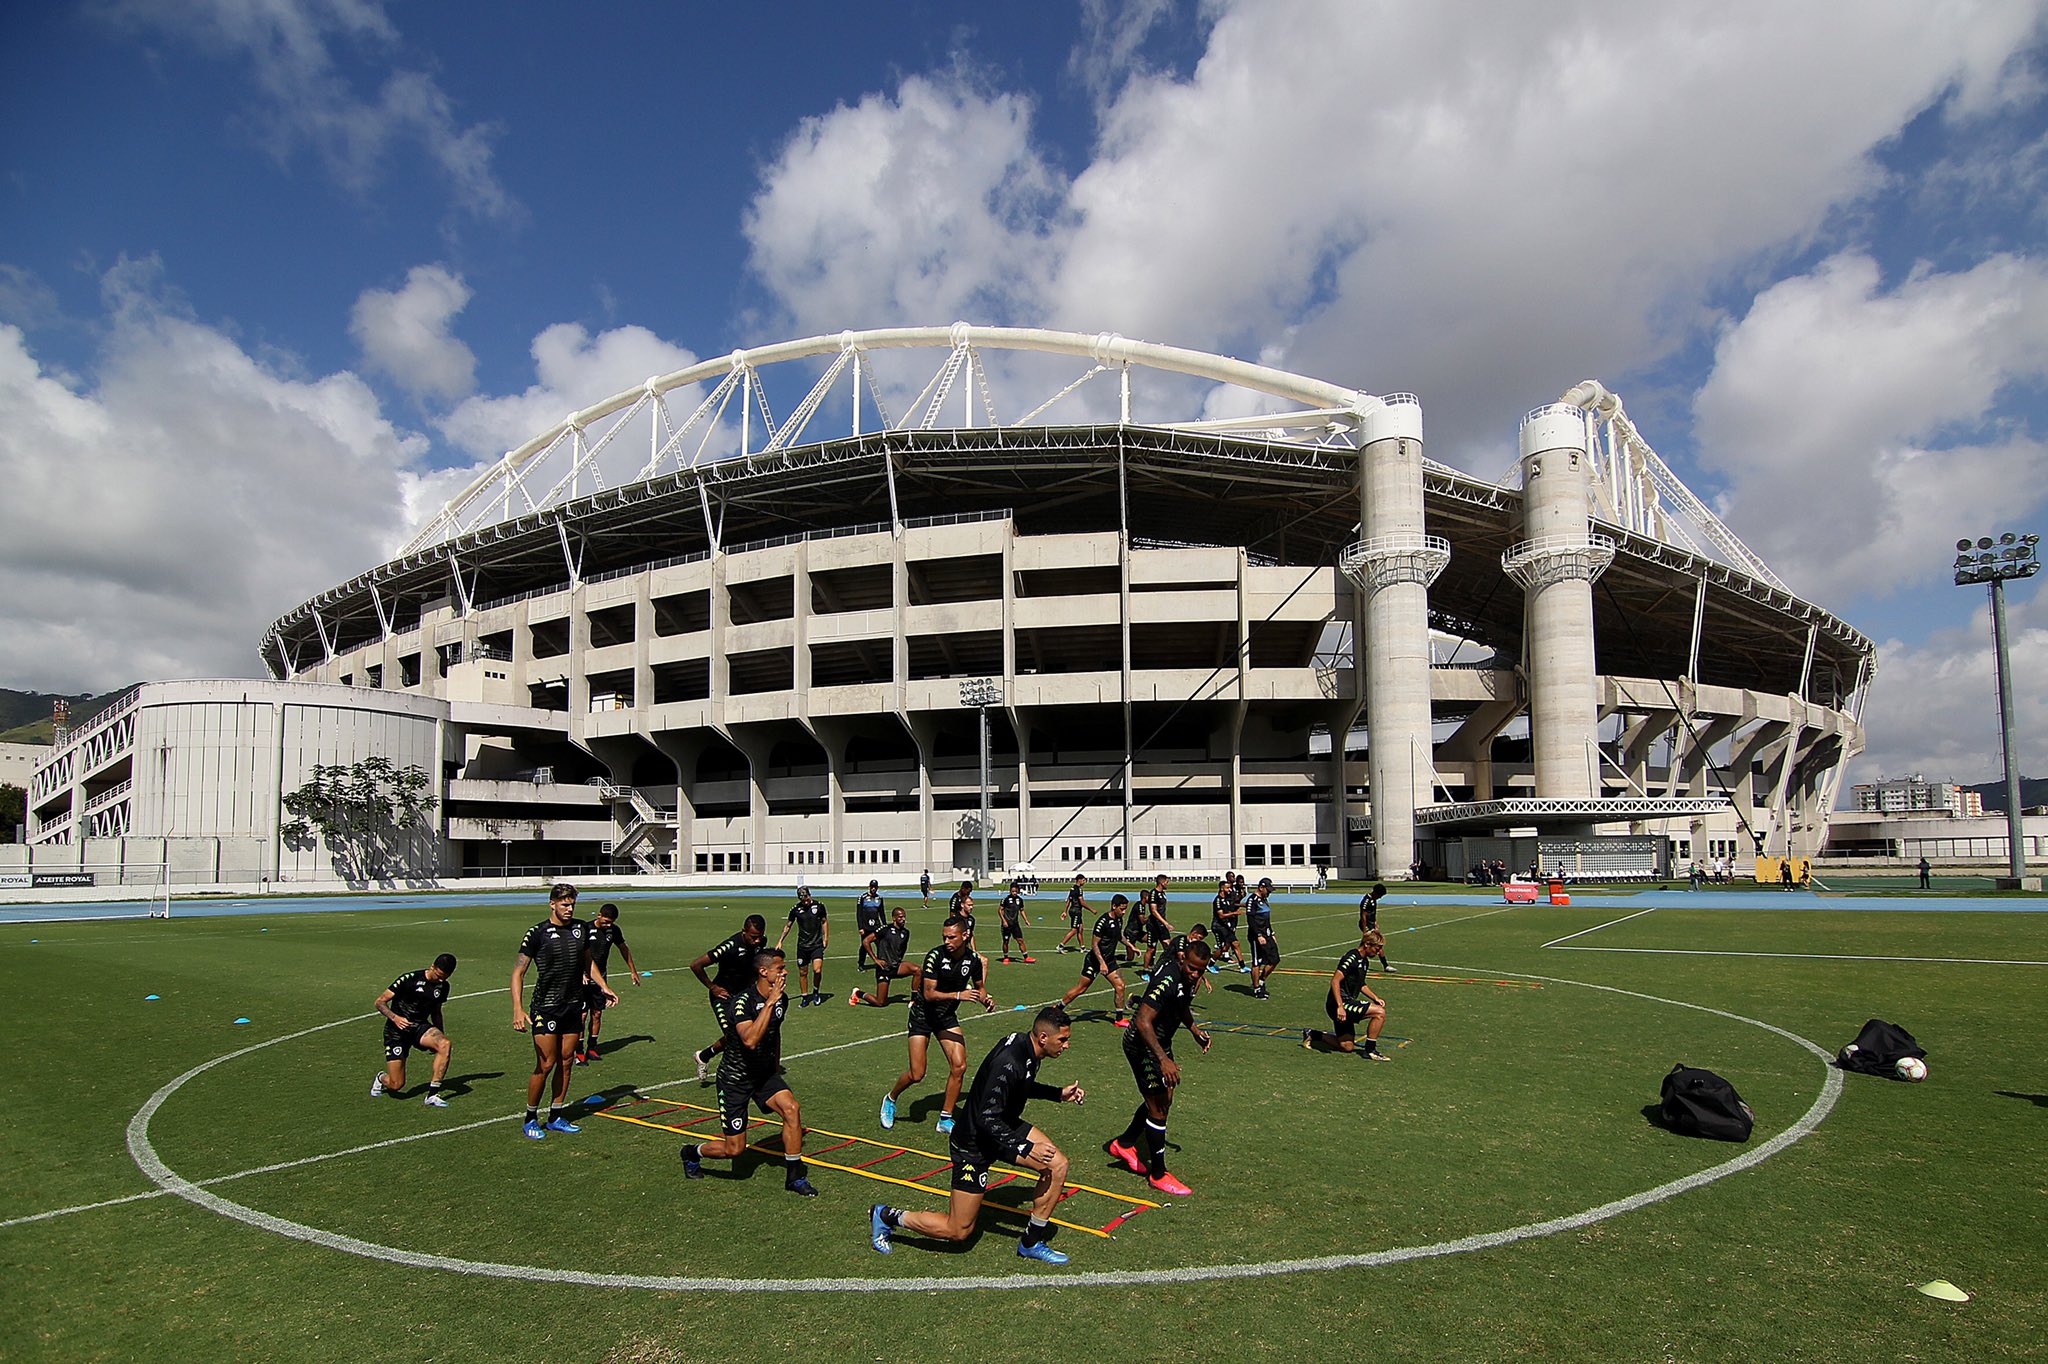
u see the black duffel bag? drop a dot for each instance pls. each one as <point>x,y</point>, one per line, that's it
<point>1700,1103</point>
<point>1879,1048</point>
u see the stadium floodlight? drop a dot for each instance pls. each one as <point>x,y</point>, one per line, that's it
<point>981,693</point>
<point>2009,556</point>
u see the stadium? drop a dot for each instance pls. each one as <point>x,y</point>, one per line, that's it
<point>752,617</point>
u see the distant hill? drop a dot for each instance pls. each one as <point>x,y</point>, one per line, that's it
<point>25,715</point>
<point>2033,791</point>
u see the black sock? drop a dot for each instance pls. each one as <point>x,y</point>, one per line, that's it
<point>533,1115</point>
<point>1155,1148</point>
<point>792,1169</point>
<point>433,1086</point>
<point>1134,1135</point>
<point>1035,1232</point>
<point>892,1218</point>
<point>693,1152</point>
<point>554,1112</point>
<point>1368,1045</point>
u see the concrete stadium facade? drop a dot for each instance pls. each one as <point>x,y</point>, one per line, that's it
<point>1280,638</point>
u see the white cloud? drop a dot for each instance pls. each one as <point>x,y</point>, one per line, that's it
<point>404,334</point>
<point>307,102</point>
<point>158,519</point>
<point>1857,426</point>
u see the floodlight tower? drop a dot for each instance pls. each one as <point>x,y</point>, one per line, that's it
<point>981,693</point>
<point>1985,560</point>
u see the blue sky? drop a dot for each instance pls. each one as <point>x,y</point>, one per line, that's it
<point>273,272</point>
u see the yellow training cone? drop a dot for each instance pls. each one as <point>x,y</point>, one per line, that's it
<point>1946,1291</point>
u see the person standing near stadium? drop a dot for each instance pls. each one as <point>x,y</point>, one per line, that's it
<point>1077,911</point>
<point>605,934</point>
<point>1105,956</point>
<point>734,959</point>
<point>1148,1047</point>
<point>1258,914</point>
<point>750,1072</point>
<point>411,1006</point>
<point>890,945</point>
<point>560,946</point>
<point>991,1128</point>
<point>1010,913</point>
<point>869,914</point>
<point>924,887</point>
<point>1373,942</point>
<point>1223,912</point>
<point>1350,1000</point>
<point>952,973</point>
<point>813,936</point>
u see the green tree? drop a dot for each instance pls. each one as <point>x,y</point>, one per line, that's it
<point>369,814</point>
<point>13,807</point>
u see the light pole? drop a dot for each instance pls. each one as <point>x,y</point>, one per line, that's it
<point>1985,560</point>
<point>981,693</point>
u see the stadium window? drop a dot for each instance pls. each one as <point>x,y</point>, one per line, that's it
<point>703,861</point>
<point>1119,853</point>
<point>718,861</point>
<point>1254,855</point>
<point>1319,853</point>
<point>1198,852</point>
<point>1183,852</point>
<point>1298,855</point>
<point>899,855</point>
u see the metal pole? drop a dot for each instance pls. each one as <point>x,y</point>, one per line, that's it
<point>2015,844</point>
<point>982,711</point>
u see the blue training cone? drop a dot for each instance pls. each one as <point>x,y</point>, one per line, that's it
<point>241,1020</point>
<point>147,998</point>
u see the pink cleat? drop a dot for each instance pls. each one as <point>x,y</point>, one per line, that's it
<point>1119,1151</point>
<point>1167,1184</point>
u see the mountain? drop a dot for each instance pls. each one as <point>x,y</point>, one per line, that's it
<point>2033,792</point>
<point>25,715</point>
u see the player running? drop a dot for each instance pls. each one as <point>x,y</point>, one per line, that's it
<point>1104,956</point>
<point>560,946</point>
<point>813,936</point>
<point>735,961</point>
<point>992,1128</point>
<point>1077,914</point>
<point>952,973</point>
<point>751,1073</point>
<point>1350,1000</point>
<point>1010,914</point>
<point>411,1006</point>
<point>1148,1047</point>
<point>890,945</point>
<point>605,934</point>
<point>1258,914</point>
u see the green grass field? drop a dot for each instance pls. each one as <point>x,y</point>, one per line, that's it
<point>1517,1098</point>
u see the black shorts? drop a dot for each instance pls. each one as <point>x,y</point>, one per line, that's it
<point>933,1020</point>
<point>807,956</point>
<point>398,1041</point>
<point>970,1170</point>
<point>733,1099</point>
<point>593,998</point>
<point>563,1018</point>
<point>1266,952</point>
<point>1222,931</point>
<point>1089,969</point>
<point>885,971</point>
<point>1144,1065</point>
<point>1073,918</point>
<point>1013,928</point>
<point>1355,1011</point>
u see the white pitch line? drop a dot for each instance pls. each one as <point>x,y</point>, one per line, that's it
<point>1801,956</point>
<point>1597,927</point>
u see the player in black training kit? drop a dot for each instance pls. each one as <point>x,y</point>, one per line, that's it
<point>605,934</point>
<point>560,946</point>
<point>813,936</point>
<point>1223,912</point>
<point>924,887</point>
<point>751,1073</point>
<point>1077,913</point>
<point>1105,956</point>
<point>1157,929</point>
<point>412,1018</point>
<point>735,961</point>
<point>1011,914</point>
<point>992,1128</point>
<point>1375,944</point>
<point>889,946</point>
<point>869,914</point>
<point>1350,1000</point>
<point>1258,915</point>
<point>952,973</point>
<point>1148,1047</point>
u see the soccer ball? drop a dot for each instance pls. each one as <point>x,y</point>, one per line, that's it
<point>1911,1068</point>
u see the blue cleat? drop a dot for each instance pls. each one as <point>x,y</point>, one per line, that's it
<point>1042,1253</point>
<point>945,1123</point>
<point>878,1230</point>
<point>562,1125</point>
<point>534,1131</point>
<point>801,1187</point>
<point>888,1111</point>
<point>692,1169</point>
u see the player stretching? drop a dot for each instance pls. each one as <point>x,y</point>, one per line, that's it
<point>751,1072</point>
<point>952,973</point>
<point>1077,912</point>
<point>412,1018</point>
<point>560,946</point>
<point>889,946</point>
<point>1375,942</point>
<point>605,934</point>
<point>813,936</point>
<point>1258,914</point>
<point>992,1128</point>
<point>1011,915</point>
<point>1148,1047</point>
<point>1351,999</point>
<point>735,961</point>
<point>1104,956</point>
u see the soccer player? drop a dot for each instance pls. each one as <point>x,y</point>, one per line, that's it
<point>1104,956</point>
<point>965,893</point>
<point>1011,915</point>
<point>1148,1047</point>
<point>890,945</point>
<point>1077,910</point>
<point>411,1006</point>
<point>1258,914</point>
<point>750,1072</point>
<point>813,936</point>
<point>1374,942</point>
<point>1176,947</point>
<point>1157,930</point>
<point>992,1128</point>
<point>924,887</point>
<point>1223,912</point>
<point>605,934</point>
<point>1350,1000</point>
<point>952,973</point>
<point>735,961</point>
<point>560,946</point>
<point>869,914</point>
